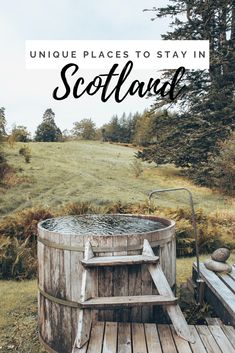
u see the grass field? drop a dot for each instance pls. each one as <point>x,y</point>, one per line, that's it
<point>100,173</point>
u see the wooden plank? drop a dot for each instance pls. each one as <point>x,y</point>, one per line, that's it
<point>105,280</point>
<point>122,301</point>
<point>65,292</point>
<point>232,273</point>
<point>197,346</point>
<point>181,345</point>
<point>164,289</point>
<point>120,277</point>
<point>213,321</point>
<point>208,340</point>
<point>96,338</point>
<point>120,260</point>
<point>166,339</point>
<point>134,280</point>
<point>138,338</point>
<point>110,338</point>
<point>75,279</point>
<point>230,333</point>
<point>124,338</point>
<point>152,338</point>
<point>219,288</point>
<point>221,339</point>
<point>87,291</point>
<point>228,280</point>
<point>147,284</point>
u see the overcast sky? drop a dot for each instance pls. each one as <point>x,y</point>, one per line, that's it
<point>26,94</point>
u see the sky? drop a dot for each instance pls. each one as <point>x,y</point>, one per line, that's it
<point>26,94</point>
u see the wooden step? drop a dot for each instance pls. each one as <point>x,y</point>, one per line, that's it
<point>119,260</point>
<point>128,301</point>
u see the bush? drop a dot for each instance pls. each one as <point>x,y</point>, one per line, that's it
<point>18,232</point>
<point>26,153</point>
<point>136,167</point>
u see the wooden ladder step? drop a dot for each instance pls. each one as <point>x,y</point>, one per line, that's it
<point>119,260</point>
<point>128,301</point>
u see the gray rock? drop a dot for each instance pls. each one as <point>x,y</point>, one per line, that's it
<point>216,266</point>
<point>221,255</point>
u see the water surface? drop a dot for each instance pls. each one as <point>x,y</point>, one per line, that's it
<point>101,224</point>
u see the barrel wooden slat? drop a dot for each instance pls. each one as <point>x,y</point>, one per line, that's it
<point>134,279</point>
<point>105,280</point>
<point>120,277</point>
<point>146,287</point>
<point>48,313</point>
<point>65,288</point>
<point>75,279</point>
<point>60,275</point>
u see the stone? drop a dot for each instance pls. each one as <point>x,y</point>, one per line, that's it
<point>221,255</point>
<point>216,266</point>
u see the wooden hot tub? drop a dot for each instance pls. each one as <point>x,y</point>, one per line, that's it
<point>60,275</point>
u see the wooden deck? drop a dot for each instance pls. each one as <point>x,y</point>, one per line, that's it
<point>113,337</point>
<point>219,292</point>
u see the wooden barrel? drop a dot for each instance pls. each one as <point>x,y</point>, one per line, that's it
<point>60,275</point>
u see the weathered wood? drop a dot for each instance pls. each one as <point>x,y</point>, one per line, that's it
<point>127,280</point>
<point>110,338</point>
<point>221,339</point>
<point>197,346</point>
<point>208,340</point>
<point>152,338</point>
<point>181,345</point>
<point>75,281</point>
<point>65,341</point>
<point>134,281</point>
<point>88,290</point>
<point>230,333</point>
<point>124,338</point>
<point>97,333</point>
<point>232,273</point>
<point>229,281</point>
<point>119,260</point>
<point>138,338</point>
<point>146,285</point>
<point>166,339</point>
<point>105,281</point>
<point>213,321</point>
<point>120,279</point>
<point>164,289</point>
<point>218,294</point>
<point>127,301</point>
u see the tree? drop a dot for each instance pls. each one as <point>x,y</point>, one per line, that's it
<point>48,131</point>
<point>20,133</point>
<point>206,113</point>
<point>85,129</point>
<point>2,121</point>
<point>3,162</point>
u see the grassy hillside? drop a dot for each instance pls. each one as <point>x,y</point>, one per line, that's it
<point>101,173</point>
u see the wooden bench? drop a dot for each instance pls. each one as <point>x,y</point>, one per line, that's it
<point>219,292</point>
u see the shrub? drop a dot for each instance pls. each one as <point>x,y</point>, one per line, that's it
<point>26,153</point>
<point>18,232</point>
<point>136,167</point>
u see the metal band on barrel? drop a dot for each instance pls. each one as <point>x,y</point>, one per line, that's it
<point>56,300</point>
<point>154,244</point>
<point>45,345</point>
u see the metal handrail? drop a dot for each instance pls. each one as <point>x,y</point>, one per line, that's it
<point>198,280</point>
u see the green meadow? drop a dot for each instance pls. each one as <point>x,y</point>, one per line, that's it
<point>100,173</point>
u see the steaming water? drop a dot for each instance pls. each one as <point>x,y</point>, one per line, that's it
<point>101,224</point>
